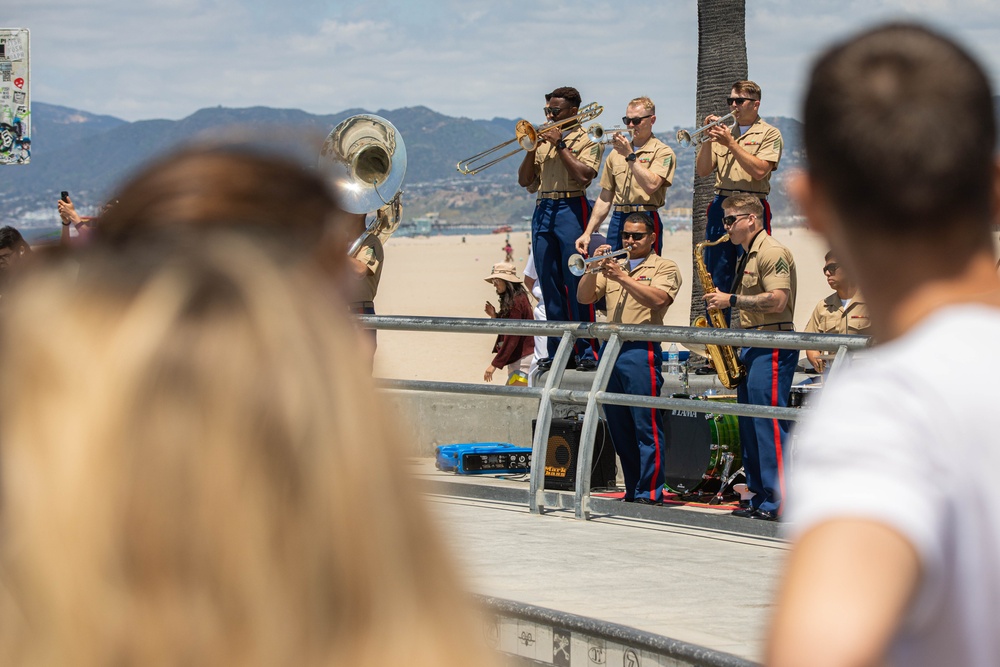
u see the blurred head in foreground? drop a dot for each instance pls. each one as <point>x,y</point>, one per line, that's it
<point>233,186</point>
<point>196,471</point>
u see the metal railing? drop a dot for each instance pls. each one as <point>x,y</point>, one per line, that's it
<point>615,335</point>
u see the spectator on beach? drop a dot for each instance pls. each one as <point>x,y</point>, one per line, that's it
<point>535,288</point>
<point>512,352</point>
<point>13,251</point>
<point>508,250</point>
<point>180,508</point>
<point>83,225</point>
<point>898,565</point>
<point>233,186</point>
<point>843,312</point>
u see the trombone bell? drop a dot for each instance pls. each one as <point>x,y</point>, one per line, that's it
<point>526,137</point>
<point>579,266</point>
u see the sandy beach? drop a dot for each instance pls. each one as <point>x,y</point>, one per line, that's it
<point>443,276</point>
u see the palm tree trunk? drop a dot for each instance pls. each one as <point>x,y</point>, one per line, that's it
<point>722,59</point>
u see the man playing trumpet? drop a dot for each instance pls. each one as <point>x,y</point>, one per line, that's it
<point>639,293</point>
<point>636,176</point>
<point>742,158</point>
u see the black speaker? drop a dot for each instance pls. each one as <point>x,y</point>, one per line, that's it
<point>563,449</point>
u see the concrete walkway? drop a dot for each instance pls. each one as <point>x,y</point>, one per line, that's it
<point>679,573</point>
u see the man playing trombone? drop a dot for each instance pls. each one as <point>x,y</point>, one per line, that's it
<point>638,293</point>
<point>559,169</point>
<point>742,157</point>
<point>636,176</point>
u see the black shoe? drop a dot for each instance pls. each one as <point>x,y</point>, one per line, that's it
<point>646,501</point>
<point>586,364</point>
<point>744,512</point>
<point>544,364</point>
<point>744,504</point>
<point>765,515</point>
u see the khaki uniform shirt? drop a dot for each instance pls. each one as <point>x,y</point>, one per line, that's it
<point>769,266</point>
<point>617,176</point>
<point>371,254</point>
<point>830,316</point>
<point>552,175</point>
<point>760,140</point>
<point>654,271</point>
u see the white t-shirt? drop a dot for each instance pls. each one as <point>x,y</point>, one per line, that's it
<point>908,437</point>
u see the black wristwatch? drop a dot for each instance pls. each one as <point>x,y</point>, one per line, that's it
<point>560,145</point>
<point>732,299</point>
<point>630,158</point>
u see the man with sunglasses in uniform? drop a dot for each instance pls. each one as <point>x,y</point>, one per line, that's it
<point>843,312</point>
<point>636,176</point>
<point>639,293</point>
<point>559,169</point>
<point>764,292</point>
<point>742,159</point>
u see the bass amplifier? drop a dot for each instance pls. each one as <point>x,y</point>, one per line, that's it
<point>483,458</point>
<point>563,448</point>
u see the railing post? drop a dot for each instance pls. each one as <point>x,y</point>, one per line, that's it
<point>543,422</point>
<point>592,415</point>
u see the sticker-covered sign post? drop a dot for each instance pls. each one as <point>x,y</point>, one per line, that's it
<point>15,98</point>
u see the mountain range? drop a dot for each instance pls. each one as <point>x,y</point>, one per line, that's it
<point>89,155</point>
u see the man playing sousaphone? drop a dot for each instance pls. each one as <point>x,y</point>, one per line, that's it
<point>638,293</point>
<point>636,176</point>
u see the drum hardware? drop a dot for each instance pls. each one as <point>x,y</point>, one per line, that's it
<point>799,394</point>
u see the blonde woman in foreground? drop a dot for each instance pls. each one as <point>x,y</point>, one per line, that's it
<point>196,471</point>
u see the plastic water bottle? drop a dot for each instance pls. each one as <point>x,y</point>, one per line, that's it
<point>673,361</point>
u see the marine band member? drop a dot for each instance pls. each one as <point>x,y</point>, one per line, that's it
<point>559,169</point>
<point>764,292</point>
<point>638,294</point>
<point>636,176</point>
<point>742,160</point>
<point>843,312</point>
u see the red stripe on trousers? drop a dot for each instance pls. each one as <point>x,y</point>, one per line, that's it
<point>652,413</point>
<point>777,430</point>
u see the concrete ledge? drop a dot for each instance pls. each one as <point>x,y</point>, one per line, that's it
<point>441,418</point>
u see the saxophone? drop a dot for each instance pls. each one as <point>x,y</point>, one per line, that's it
<point>726,362</point>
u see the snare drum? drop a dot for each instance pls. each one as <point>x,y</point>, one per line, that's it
<point>698,443</point>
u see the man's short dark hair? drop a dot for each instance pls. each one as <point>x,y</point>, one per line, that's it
<point>568,93</point>
<point>900,132</point>
<point>642,219</point>
<point>11,238</point>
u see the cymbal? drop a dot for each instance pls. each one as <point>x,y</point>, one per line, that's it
<point>697,348</point>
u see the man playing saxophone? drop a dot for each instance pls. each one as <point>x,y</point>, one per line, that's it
<point>639,293</point>
<point>636,176</point>
<point>764,292</point>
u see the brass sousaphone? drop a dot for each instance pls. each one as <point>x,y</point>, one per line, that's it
<point>367,156</point>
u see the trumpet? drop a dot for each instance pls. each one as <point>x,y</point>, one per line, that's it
<point>700,136</point>
<point>602,136</point>
<point>579,266</point>
<point>526,137</point>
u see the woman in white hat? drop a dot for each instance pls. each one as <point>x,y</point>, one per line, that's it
<point>514,352</point>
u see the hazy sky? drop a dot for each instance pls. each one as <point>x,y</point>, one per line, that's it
<point>142,59</point>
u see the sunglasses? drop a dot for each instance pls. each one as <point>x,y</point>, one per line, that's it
<point>739,100</point>
<point>635,236</point>
<point>730,220</point>
<point>831,268</point>
<point>553,111</point>
<point>634,121</point>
